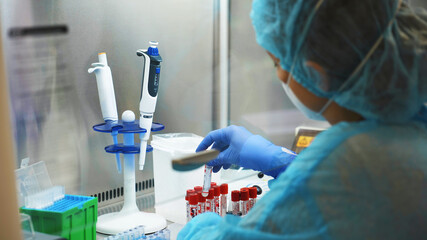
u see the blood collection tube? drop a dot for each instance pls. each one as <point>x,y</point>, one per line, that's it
<point>198,188</point>
<point>224,193</point>
<point>244,199</point>
<point>210,201</point>
<point>213,184</point>
<point>217,193</point>
<point>207,180</point>
<point>193,200</point>
<point>189,191</point>
<point>235,202</point>
<point>252,196</point>
<point>202,203</point>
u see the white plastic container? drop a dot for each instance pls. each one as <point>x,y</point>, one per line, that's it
<point>170,185</point>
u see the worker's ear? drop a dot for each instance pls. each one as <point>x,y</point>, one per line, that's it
<point>316,71</point>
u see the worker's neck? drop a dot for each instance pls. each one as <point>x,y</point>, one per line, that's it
<point>335,114</point>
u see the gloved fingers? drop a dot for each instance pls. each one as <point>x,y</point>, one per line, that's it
<point>226,166</point>
<point>205,143</point>
<point>219,146</point>
<point>224,157</point>
<point>217,161</point>
<point>214,136</point>
<point>216,169</point>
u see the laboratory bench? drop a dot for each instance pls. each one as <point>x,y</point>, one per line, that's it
<point>175,210</point>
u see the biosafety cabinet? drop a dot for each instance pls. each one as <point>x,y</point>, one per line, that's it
<point>213,75</point>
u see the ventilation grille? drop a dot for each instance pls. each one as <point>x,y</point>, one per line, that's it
<point>144,203</point>
<point>118,192</point>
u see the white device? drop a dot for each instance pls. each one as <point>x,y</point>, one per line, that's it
<point>104,80</point>
<point>149,90</point>
<point>107,98</point>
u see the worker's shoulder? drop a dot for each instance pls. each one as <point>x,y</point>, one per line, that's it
<point>384,142</point>
<point>390,136</point>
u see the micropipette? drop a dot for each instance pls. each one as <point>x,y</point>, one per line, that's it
<point>107,98</point>
<point>149,90</point>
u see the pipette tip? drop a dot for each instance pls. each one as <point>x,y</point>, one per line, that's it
<point>119,166</point>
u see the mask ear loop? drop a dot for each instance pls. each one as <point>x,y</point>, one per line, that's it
<point>316,8</point>
<point>366,59</point>
<point>362,63</point>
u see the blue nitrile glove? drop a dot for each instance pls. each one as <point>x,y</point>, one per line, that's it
<point>239,146</point>
<point>229,141</point>
<point>197,224</point>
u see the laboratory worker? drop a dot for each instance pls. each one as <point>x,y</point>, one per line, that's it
<point>362,66</point>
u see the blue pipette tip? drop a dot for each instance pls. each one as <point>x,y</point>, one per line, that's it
<point>114,133</point>
<point>118,163</point>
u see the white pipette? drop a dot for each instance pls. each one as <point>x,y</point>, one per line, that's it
<point>149,90</point>
<point>107,98</point>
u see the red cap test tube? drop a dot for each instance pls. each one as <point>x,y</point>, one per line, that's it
<point>235,202</point>
<point>253,191</point>
<point>244,198</point>
<point>224,193</point>
<point>189,192</point>
<point>193,204</point>
<point>210,201</point>
<point>198,188</point>
<point>217,193</point>
<point>202,203</point>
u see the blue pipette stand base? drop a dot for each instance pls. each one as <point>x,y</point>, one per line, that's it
<point>130,216</point>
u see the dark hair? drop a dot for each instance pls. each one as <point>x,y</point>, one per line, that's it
<point>339,46</point>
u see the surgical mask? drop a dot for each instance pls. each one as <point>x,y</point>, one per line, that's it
<point>298,104</point>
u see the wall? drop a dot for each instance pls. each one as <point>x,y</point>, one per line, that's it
<point>55,101</point>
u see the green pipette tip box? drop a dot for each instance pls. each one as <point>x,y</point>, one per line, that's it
<point>73,217</point>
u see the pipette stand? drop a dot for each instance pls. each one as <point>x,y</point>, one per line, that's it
<point>130,216</point>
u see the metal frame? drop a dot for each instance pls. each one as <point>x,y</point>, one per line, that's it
<point>221,79</point>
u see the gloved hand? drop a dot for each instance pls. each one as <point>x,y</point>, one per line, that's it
<point>229,141</point>
<point>238,146</point>
<point>198,223</point>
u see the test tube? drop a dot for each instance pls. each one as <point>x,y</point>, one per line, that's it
<point>224,193</point>
<point>202,203</point>
<point>235,202</point>
<point>244,199</point>
<point>167,234</point>
<point>217,193</point>
<point>207,180</point>
<point>198,188</point>
<point>139,232</point>
<point>193,200</point>
<point>189,191</point>
<point>213,184</point>
<point>210,201</point>
<point>252,195</point>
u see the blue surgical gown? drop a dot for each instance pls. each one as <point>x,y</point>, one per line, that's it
<point>364,180</point>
